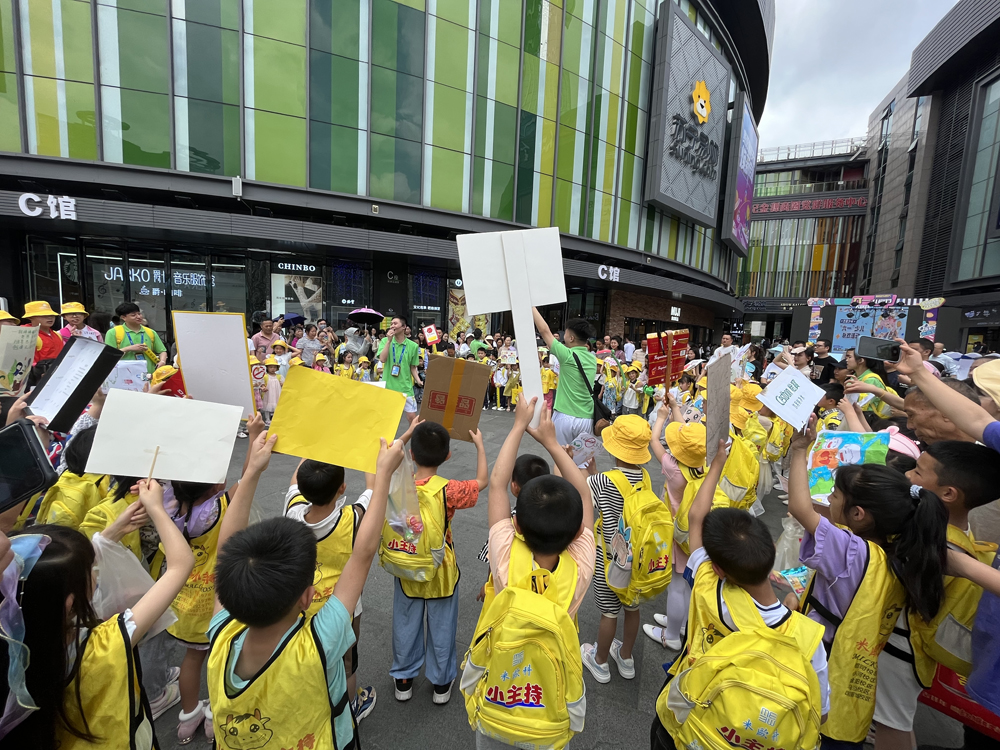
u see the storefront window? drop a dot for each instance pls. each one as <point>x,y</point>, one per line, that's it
<point>149,286</point>
<point>229,285</point>
<point>105,279</point>
<point>981,257</point>
<point>427,298</point>
<point>55,274</point>
<point>297,289</point>
<point>189,286</point>
<point>589,305</point>
<point>349,287</point>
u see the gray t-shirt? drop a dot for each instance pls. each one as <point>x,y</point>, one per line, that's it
<point>309,349</point>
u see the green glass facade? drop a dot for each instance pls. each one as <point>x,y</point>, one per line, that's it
<point>532,111</point>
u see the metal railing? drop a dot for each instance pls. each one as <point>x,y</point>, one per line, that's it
<point>795,284</point>
<point>766,191</point>
<point>808,150</point>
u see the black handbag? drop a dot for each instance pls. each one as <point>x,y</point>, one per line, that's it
<point>601,411</point>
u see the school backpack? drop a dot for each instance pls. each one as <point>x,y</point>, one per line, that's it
<point>418,560</point>
<point>755,688</point>
<point>648,527</point>
<point>67,502</point>
<point>740,475</point>
<point>522,677</point>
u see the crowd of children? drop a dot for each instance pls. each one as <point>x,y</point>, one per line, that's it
<point>274,607</point>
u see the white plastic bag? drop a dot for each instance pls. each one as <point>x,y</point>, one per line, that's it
<point>121,583</point>
<point>787,552</point>
<point>403,508</point>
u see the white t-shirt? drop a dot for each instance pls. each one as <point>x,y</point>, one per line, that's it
<point>629,349</point>
<point>630,399</point>
<point>772,615</point>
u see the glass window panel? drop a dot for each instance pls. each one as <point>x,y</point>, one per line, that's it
<point>449,171</point>
<point>335,93</point>
<point>208,137</point>
<point>348,288</point>
<point>136,127</point>
<point>55,274</point>
<point>334,26</point>
<point>209,65</point>
<point>10,123</point>
<point>7,51</point>
<point>451,47</point>
<point>395,169</point>
<point>337,158</point>
<point>450,112</point>
<point>398,37</point>
<point>69,57</point>
<point>397,104</point>
<point>189,282</point>
<point>139,55</point>
<point>279,148</point>
<point>279,77</point>
<point>146,6</point>
<point>229,284</point>
<point>428,297</point>
<point>462,12</point>
<point>149,287</point>
<point>284,20</point>
<point>106,274</point>
<point>61,124</point>
<point>224,13</point>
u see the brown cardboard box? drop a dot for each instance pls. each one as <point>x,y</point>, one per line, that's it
<point>453,395</point>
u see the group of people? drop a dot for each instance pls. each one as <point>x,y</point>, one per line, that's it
<point>274,607</point>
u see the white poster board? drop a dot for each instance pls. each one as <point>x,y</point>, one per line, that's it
<point>73,367</point>
<point>213,357</point>
<point>129,375</point>
<point>17,349</point>
<point>792,396</point>
<point>195,438</point>
<point>717,424</point>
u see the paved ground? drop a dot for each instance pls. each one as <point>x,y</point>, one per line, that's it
<point>618,714</point>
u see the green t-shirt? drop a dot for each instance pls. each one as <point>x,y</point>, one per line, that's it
<point>132,337</point>
<point>574,396</point>
<point>475,346</point>
<point>405,355</point>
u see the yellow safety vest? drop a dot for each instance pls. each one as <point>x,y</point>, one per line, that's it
<point>332,553</point>
<point>947,638</point>
<point>67,502</point>
<point>109,682</point>
<point>104,514</point>
<point>859,639</point>
<point>694,480</point>
<point>286,702</point>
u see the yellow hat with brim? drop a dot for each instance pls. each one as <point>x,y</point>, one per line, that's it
<point>271,362</point>
<point>319,358</point>
<point>162,373</point>
<point>296,361</point>
<point>280,343</point>
<point>627,439</point>
<point>362,359</point>
<point>736,415</point>
<point>748,397</point>
<point>687,443</point>
<point>38,309</point>
<point>4,315</point>
<point>987,377</point>
<point>702,382</point>
<point>73,307</point>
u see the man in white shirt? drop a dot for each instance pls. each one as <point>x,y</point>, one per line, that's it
<point>950,365</point>
<point>629,350</point>
<point>728,347</point>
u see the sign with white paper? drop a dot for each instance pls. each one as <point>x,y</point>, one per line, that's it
<point>214,359</point>
<point>127,376</point>
<point>66,389</point>
<point>195,438</point>
<point>584,447</point>
<point>792,396</point>
<point>717,425</point>
<point>514,271</point>
<point>17,349</point>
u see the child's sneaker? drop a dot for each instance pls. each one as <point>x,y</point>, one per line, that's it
<point>601,672</point>
<point>363,703</point>
<point>209,729</point>
<point>189,723</point>
<point>626,667</point>
<point>660,636</point>
<point>170,696</point>
<point>442,693</point>
<point>404,689</point>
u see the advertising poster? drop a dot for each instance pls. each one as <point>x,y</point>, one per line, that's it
<point>743,199</point>
<point>459,321</point>
<point>297,293</point>
<point>890,323</point>
<point>850,323</point>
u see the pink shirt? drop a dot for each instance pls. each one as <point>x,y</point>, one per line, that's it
<point>87,332</point>
<point>582,550</point>
<point>259,339</point>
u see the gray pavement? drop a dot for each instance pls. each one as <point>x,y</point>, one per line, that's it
<point>619,713</point>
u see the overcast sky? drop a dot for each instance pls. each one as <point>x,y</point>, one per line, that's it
<point>834,60</point>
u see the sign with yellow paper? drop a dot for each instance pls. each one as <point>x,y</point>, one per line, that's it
<point>334,420</point>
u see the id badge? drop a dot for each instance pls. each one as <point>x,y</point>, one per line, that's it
<point>395,371</point>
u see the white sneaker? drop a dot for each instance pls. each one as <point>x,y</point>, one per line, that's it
<point>601,672</point>
<point>660,636</point>
<point>626,667</point>
<point>170,696</point>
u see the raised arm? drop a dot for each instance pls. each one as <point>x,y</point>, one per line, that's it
<point>654,441</point>
<point>857,386</point>
<point>545,434</point>
<point>542,327</point>
<point>854,424</point>
<point>482,466</point>
<point>255,427</point>
<point>498,507</point>
<point>799,501</point>
<point>702,504</point>
<point>986,576</point>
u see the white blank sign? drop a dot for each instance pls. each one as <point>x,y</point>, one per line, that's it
<point>213,352</point>
<point>195,438</point>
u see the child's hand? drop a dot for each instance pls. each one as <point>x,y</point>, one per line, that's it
<point>719,462</point>
<point>477,438</point>
<point>805,437</point>
<point>151,495</point>
<point>133,518</point>
<point>591,466</point>
<point>481,596</point>
<point>255,426</point>
<point>844,405</point>
<point>389,457</point>
<point>523,412</point>
<point>405,437</point>
<point>545,433</point>
<point>260,452</point>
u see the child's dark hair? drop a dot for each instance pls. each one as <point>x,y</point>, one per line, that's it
<point>549,514</point>
<point>900,461</point>
<point>581,328</point>
<point>969,467</point>
<point>122,487</point>
<point>62,570</point>
<point>911,529</point>
<point>77,450</point>
<point>833,390</point>
<point>527,467</point>
<point>739,544</point>
<point>188,494</point>
<point>430,444</point>
<point>262,570</point>
<point>319,483</point>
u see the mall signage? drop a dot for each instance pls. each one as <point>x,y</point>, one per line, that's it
<point>608,273</point>
<point>688,128</point>
<point>735,230</point>
<point>297,267</point>
<point>852,204</point>
<point>59,206</point>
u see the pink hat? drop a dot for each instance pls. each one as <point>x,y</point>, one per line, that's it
<point>901,443</point>
<point>932,370</point>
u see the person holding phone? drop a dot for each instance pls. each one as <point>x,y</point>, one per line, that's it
<point>400,356</point>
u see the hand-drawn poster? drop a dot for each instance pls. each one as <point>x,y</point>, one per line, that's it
<point>17,349</point>
<point>834,449</point>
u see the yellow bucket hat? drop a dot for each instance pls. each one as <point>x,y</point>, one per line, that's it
<point>987,377</point>
<point>4,315</point>
<point>702,382</point>
<point>160,373</point>
<point>38,309</point>
<point>748,397</point>
<point>319,358</point>
<point>295,361</point>
<point>627,439</point>
<point>280,343</point>
<point>687,443</point>
<point>362,359</point>
<point>271,362</point>
<point>73,307</point>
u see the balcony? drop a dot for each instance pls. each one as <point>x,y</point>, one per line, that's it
<point>768,191</point>
<point>811,150</point>
<point>795,284</point>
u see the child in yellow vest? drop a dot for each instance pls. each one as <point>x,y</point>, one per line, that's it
<point>732,555</point>
<point>513,386</point>
<point>276,674</point>
<point>67,502</point>
<point>316,497</point>
<point>552,531</point>
<point>83,673</point>
<point>965,476</point>
<point>885,552</point>
<point>548,383</point>
<point>435,599</point>
<point>345,367</point>
<point>103,515</point>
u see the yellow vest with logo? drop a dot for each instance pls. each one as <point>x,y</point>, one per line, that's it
<point>860,637</point>
<point>147,333</point>
<point>104,514</point>
<point>694,480</point>
<point>286,705</point>
<point>332,553</point>
<point>67,502</point>
<point>740,474</point>
<point>110,693</point>
<point>427,568</point>
<point>947,638</point>
<point>522,678</point>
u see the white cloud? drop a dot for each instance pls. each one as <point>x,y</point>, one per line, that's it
<point>834,60</point>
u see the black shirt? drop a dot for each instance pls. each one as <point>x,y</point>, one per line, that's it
<point>822,369</point>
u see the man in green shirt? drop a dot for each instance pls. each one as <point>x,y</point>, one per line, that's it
<point>573,411</point>
<point>135,339</point>
<point>400,357</point>
<point>478,343</point>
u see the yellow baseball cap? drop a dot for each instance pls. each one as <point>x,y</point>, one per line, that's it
<point>38,309</point>
<point>73,307</point>
<point>627,439</point>
<point>687,443</point>
<point>702,382</point>
<point>748,397</point>
<point>4,315</point>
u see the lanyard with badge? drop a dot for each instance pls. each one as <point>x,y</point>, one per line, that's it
<point>142,340</point>
<point>396,361</point>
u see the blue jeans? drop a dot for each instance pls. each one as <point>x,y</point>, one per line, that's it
<point>409,650</point>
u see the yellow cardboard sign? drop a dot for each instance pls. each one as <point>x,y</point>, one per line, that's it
<point>334,420</point>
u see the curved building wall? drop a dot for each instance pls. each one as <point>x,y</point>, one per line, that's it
<point>530,111</point>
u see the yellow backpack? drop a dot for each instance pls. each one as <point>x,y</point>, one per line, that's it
<point>646,524</point>
<point>104,514</point>
<point>418,561</point>
<point>694,480</point>
<point>522,676</point>
<point>739,477</point>
<point>67,502</point>
<point>755,687</point>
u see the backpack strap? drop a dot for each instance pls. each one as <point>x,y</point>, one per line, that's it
<point>742,609</point>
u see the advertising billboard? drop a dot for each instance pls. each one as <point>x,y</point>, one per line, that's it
<point>688,126</point>
<point>739,186</point>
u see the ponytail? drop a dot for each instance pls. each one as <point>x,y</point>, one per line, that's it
<point>911,524</point>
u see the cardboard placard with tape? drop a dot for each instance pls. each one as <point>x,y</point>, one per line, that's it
<point>453,395</point>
